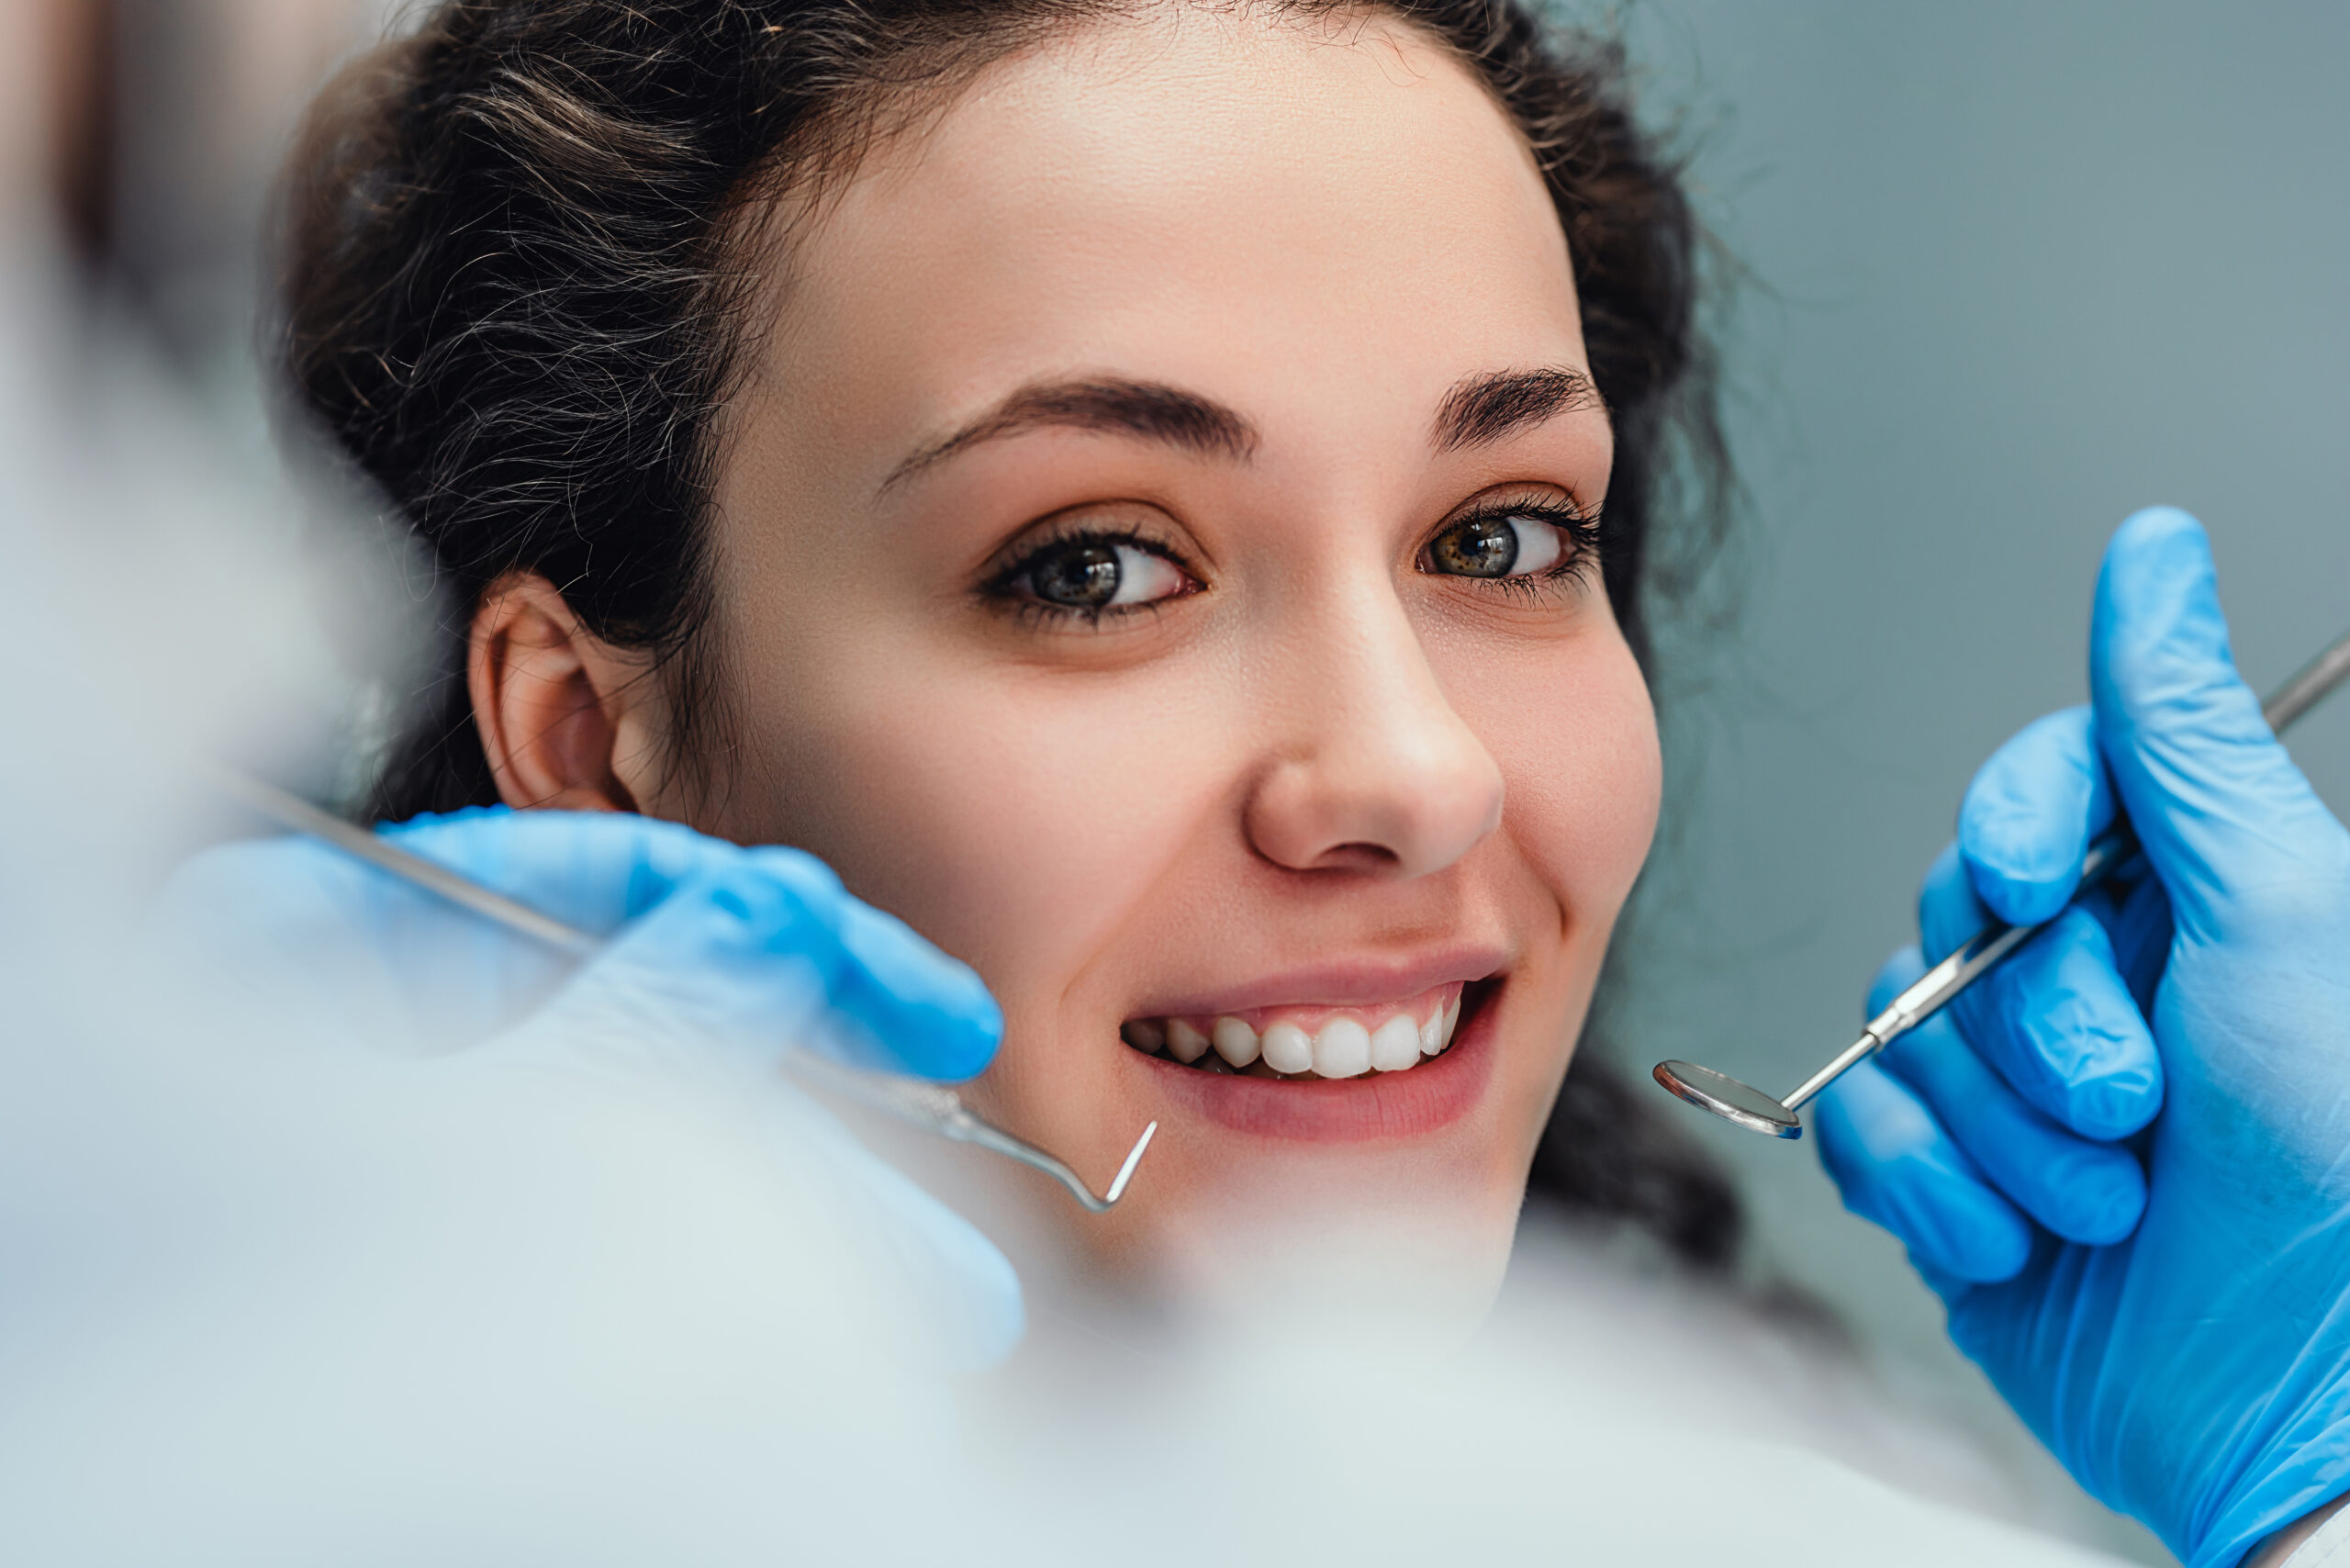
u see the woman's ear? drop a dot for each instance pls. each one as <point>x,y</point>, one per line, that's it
<point>565,718</point>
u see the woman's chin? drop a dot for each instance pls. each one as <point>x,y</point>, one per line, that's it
<point>1433,1256</point>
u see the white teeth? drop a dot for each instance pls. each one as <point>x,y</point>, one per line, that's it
<point>1342,1049</point>
<point>1395,1045</point>
<point>1184,1043</point>
<point>1288,1049</point>
<point>1346,1048</point>
<point>1235,1041</point>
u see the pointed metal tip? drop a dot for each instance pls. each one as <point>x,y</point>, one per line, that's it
<point>1726,1097</point>
<point>1126,1171</point>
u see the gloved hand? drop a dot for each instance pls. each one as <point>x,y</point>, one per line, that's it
<point>2124,1160</point>
<point>722,958</point>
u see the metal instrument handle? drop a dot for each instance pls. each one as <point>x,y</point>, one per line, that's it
<point>1983,951</point>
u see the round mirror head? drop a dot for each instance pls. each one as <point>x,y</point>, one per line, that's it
<point>1728,1098</point>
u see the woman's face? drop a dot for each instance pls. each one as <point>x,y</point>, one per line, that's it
<point>1152,560</point>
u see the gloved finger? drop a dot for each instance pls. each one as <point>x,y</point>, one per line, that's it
<point>2029,816</point>
<point>1948,909</point>
<point>2084,1191</point>
<point>725,941</point>
<point>1895,1167</point>
<point>2215,800</point>
<point>2135,913</point>
<point>768,952</point>
<point>916,1009</point>
<point>594,871</point>
<point>2056,1021</point>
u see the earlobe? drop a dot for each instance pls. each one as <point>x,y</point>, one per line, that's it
<point>550,700</point>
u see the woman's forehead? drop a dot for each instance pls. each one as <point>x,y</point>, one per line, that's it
<point>1260,211</point>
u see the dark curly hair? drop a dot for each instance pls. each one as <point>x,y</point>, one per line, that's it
<point>515,297</point>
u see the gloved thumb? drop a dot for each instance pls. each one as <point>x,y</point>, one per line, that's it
<point>2218,804</point>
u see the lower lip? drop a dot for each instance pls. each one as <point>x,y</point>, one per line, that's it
<point>1410,1104</point>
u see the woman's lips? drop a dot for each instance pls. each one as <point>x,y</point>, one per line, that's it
<point>1395,1104</point>
<point>1345,984</point>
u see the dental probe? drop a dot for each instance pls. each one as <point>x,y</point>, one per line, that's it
<point>1750,1108</point>
<point>933,1107</point>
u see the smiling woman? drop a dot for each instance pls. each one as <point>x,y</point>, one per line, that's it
<point>1154,495</point>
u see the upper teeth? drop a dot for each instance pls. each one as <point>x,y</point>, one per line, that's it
<point>1347,1044</point>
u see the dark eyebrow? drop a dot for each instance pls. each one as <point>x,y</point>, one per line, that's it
<point>1146,408</point>
<point>1483,408</point>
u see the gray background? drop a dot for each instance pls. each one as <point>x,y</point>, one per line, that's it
<point>2021,269</point>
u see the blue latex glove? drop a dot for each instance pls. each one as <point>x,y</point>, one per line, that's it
<point>722,958</point>
<point>2124,1162</point>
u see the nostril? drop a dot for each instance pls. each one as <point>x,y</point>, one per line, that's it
<point>1356,857</point>
<point>1375,800</point>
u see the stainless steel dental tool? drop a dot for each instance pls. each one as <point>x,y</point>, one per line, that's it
<point>933,1107</point>
<point>1750,1108</point>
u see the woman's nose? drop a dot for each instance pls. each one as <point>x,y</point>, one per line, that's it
<point>1372,769</point>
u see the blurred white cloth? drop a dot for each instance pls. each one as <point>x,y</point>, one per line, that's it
<point>2329,1547</point>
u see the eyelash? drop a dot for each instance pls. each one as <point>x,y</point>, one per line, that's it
<point>1583,533</point>
<point>999,589</point>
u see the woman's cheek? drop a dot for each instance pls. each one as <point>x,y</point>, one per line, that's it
<point>1574,735</point>
<point>1015,828</point>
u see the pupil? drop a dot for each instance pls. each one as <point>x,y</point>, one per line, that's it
<point>1486,548</point>
<point>1085,578</point>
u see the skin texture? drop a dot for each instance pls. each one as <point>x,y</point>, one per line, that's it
<point>1320,771</point>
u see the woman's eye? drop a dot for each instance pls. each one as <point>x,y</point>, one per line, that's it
<point>1502,546</point>
<point>1096,573</point>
